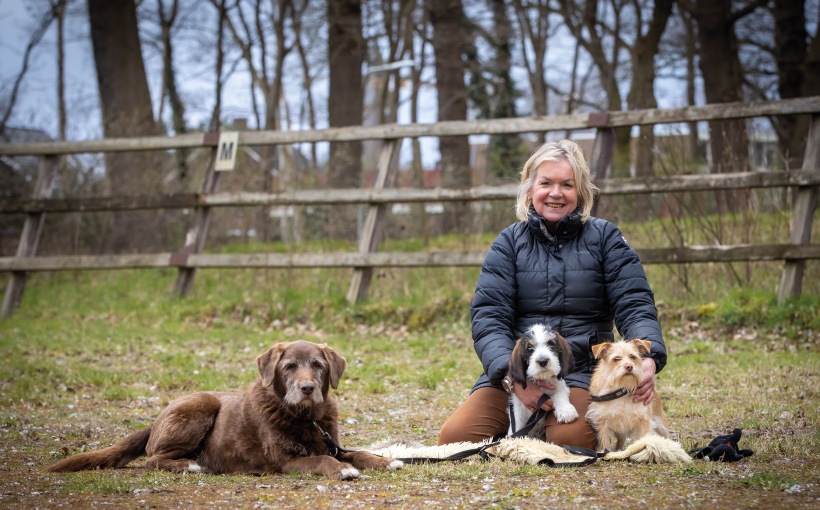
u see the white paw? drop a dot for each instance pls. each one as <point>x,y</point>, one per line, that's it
<point>566,414</point>
<point>396,464</point>
<point>350,473</point>
<point>193,467</point>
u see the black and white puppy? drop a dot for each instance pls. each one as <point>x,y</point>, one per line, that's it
<point>541,356</point>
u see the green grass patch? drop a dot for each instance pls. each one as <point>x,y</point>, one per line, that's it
<point>98,483</point>
<point>767,481</point>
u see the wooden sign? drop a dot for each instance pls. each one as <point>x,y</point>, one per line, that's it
<point>226,151</point>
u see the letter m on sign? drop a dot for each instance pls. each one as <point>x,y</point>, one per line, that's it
<point>226,151</point>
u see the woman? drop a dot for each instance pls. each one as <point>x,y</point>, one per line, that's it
<point>563,268</point>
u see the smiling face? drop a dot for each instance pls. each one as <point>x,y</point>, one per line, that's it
<point>553,192</point>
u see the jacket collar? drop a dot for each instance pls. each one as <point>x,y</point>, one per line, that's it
<point>566,228</point>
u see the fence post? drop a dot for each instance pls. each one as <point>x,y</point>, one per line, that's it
<point>195,238</point>
<point>30,237</point>
<point>372,230</point>
<point>804,207</point>
<point>601,156</point>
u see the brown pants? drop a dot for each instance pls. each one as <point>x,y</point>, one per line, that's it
<point>484,415</point>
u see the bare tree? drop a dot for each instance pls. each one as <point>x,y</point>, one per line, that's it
<point>642,91</point>
<point>213,125</point>
<point>722,82</point>
<point>415,79</point>
<point>251,25</point>
<point>309,106</point>
<point>505,153</point>
<point>126,111</point>
<point>691,52</point>
<point>60,9</point>
<point>534,25</point>
<point>169,83</point>
<point>446,18</point>
<point>346,52</point>
<point>798,68</point>
<point>603,42</point>
<point>36,36</point>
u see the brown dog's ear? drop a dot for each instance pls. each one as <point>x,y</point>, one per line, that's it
<point>337,365</point>
<point>643,346</point>
<point>517,370</point>
<point>566,358</point>
<point>598,350</point>
<point>266,362</point>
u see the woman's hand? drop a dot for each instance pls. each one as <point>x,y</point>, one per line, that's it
<point>530,396</point>
<point>646,391</point>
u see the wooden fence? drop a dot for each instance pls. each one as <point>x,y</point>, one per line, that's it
<point>190,256</point>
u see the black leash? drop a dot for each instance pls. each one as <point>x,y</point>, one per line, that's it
<point>333,448</point>
<point>534,418</point>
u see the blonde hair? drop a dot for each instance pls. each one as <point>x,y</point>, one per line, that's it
<point>561,150</point>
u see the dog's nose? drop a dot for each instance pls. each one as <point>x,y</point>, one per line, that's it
<point>307,388</point>
<point>543,362</point>
<point>628,368</point>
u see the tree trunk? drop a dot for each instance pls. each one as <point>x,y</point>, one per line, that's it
<point>642,96</point>
<point>346,52</point>
<point>505,153</point>
<point>446,17</point>
<point>583,22</point>
<point>126,111</point>
<point>790,53</point>
<point>694,152</point>
<point>170,85</point>
<point>722,80</point>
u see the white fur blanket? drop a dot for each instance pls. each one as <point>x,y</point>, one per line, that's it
<point>649,449</point>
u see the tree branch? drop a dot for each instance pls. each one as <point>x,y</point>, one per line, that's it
<point>36,36</point>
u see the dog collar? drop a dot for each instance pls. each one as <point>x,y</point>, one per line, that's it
<point>536,382</point>
<point>612,395</point>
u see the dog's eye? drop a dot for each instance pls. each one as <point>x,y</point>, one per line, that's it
<point>632,356</point>
<point>288,366</point>
<point>317,365</point>
<point>616,359</point>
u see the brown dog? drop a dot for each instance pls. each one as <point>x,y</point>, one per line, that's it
<point>618,373</point>
<point>274,427</point>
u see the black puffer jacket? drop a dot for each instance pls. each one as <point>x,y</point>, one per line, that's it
<point>577,281</point>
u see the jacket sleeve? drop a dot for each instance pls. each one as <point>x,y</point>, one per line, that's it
<point>493,308</point>
<point>630,297</point>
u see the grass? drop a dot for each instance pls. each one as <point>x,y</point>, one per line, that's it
<point>92,356</point>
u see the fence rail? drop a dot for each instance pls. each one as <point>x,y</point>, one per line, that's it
<point>703,182</point>
<point>190,256</point>
<point>677,255</point>
<point>576,121</point>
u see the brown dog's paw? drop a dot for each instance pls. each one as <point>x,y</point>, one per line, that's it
<point>344,471</point>
<point>366,460</point>
<point>388,464</point>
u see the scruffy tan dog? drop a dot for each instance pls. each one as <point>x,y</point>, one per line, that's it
<point>612,411</point>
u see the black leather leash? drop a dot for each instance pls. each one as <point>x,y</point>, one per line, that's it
<point>333,448</point>
<point>534,418</point>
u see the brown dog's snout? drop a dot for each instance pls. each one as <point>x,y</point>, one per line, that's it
<point>307,388</point>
